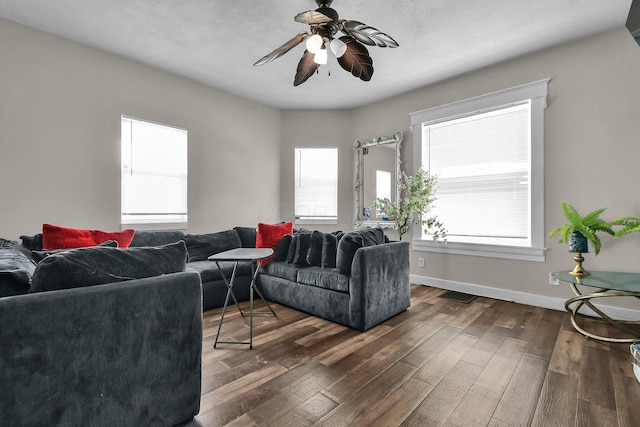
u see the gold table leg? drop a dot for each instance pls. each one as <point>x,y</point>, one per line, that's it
<point>574,304</point>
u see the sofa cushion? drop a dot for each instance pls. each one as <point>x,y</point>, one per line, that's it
<point>156,238</point>
<point>209,271</point>
<point>202,246</point>
<point>40,255</point>
<point>329,250</point>
<point>98,265</point>
<point>268,236</point>
<point>16,266</point>
<point>247,236</point>
<point>301,250</point>
<point>347,248</point>
<point>57,237</point>
<point>327,278</point>
<point>372,236</point>
<point>282,248</point>
<point>281,269</point>
<point>291,253</point>
<point>314,255</point>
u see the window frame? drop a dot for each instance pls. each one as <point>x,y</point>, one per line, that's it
<point>152,225</point>
<point>311,220</point>
<point>536,92</point>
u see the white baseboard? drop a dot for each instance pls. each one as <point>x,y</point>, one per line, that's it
<point>520,297</point>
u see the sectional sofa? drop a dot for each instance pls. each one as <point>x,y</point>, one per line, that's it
<point>357,279</point>
<point>105,335</point>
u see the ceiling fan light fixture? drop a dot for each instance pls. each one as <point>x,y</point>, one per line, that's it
<point>338,47</point>
<point>320,56</point>
<point>349,49</point>
<point>314,43</point>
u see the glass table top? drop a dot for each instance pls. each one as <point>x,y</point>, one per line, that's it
<point>612,280</point>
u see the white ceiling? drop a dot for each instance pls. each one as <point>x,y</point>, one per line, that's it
<point>215,42</point>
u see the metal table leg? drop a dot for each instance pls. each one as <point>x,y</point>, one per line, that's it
<point>252,287</point>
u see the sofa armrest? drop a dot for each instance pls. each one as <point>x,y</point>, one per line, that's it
<point>379,283</point>
<point>125,354</point>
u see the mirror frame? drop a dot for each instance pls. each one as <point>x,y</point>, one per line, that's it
<point>360,147</point>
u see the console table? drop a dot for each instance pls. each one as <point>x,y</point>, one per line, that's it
<point>608,284</point>
<point>236,256</point>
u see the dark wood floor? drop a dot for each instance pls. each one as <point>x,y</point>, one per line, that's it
<point>486,363</point>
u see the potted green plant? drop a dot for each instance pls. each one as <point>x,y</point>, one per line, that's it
<point>417,196</point>
<point>582,229</point>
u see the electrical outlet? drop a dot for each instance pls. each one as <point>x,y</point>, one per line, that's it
<point>553,280</point>
<point>420,262</point>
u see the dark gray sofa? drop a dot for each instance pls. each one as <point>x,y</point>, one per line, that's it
<point>368,285</point>
<point>126,353</point>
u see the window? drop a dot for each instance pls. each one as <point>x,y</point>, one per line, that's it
<point>383,187</point>
<point>154,175</point>
<point>316,186</point>
<point>488,155</point>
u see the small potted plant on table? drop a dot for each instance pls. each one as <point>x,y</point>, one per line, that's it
<point>580,230</point>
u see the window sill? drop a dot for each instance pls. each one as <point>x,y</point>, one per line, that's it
<point>309,221</point>
<point>491,251</point>
<point>156,226</point>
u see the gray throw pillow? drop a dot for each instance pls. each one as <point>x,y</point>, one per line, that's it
<point>156,238</point>
<point>347,248</point>
<point>372,236</point>
<point>99,265</point>
<point>282,248</point>
<point>247,236</point>
<point>314,255</point>
<point>40,255</point>
<point>329,250</point>
<point>291,253</point>
<point>302,247</point>
<point>15,262</point>
<point>33,243</point>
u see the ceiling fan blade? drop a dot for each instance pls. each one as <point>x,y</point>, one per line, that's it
<point>306,68</point>
<point>312,17</point>
<point>282,49</point>
<point>356,59</point>
<point>367,34</point>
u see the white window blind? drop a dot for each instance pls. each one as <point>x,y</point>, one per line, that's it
<point>483,166</point>
<point>154,174</point>
<point>316,185</point>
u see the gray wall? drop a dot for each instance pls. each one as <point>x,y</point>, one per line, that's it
<point>60,107</point>
<point>318,128</point>
<point>592,132</point>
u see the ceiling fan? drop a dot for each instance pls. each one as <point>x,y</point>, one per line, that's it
<point>349,49</point>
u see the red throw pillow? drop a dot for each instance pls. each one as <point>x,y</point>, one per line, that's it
<point>268,235</point>
<point>56,237</point>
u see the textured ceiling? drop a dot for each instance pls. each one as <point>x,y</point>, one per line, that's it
<point>215,42</point>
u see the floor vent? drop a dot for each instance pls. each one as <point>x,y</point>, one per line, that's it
<point>458,297</point>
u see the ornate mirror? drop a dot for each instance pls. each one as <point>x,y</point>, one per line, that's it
<point>377,176</point>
